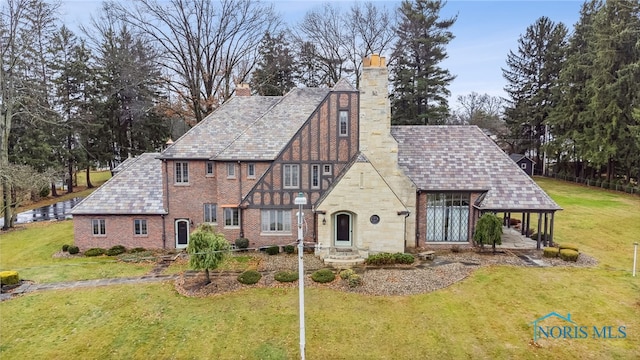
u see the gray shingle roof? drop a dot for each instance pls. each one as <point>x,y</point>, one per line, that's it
<point>463,158</point>
<point>137,189</point>
<point>248,127</point>
<point>270,133</point>
<point>215,132</point>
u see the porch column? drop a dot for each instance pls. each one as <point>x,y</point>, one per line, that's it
<point>553,214</point>
<point>523,224</point>
<point>526,231</point>
<point>546,215</point>
<point>539,228</point>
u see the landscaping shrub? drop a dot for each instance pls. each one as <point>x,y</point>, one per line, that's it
<point>344,274</point>
<point>401,258</point>
<point>137,250</point>
<point>286,276</point>
<point>116,250</point>
<point>389,259</point>
<point>569,255</point>
<point>73,249</point>
<point>249,277</point>
<point>323,276</point>
<point>534,236</point>
<point>380,259</point>
<point>568,246</point>
<point>9,277</point>
<point>242,243</point>
<point>65,247</point>
<point>273,250</point>
<point>289,249</point>
<point>94,252</point>
<point>550,252</point>
<point>355,280</point>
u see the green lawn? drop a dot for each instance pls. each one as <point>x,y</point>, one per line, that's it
<point>486,316</point>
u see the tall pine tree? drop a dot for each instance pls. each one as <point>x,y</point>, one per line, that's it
<point>274,74</point>
<point>419,84</point>
<point>531,76</point>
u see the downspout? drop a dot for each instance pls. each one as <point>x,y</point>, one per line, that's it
<point>166,192</point>
<point>240,200</point>
<point>418,220</point>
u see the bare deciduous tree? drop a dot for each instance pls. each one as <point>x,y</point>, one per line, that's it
<point>342,38</point>
<point>207,46</point>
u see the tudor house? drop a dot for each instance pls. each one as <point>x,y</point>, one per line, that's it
<point>370,186</point>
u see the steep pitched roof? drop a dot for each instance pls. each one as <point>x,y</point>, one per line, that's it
<point>136,189</point>
<point>215,132</point>
<point>463,158</point>
<point>248,127</point>
<point>265,138</point>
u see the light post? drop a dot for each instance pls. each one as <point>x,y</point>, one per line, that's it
<point>301,200</point>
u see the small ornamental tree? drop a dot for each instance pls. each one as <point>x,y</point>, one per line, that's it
<point>207,249</point>
<point>488,231</point>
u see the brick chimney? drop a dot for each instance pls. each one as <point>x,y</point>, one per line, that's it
<point>243,89</point>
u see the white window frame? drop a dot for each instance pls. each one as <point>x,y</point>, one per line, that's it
<point>231,221</point>
<point>99,227</point>
<point>140,227</point>
<point>181,172</point>
<point>209,213</point>
<point>343,119</point>
<point>326,169</point>
<point>275,221</point>
<point>291,176</point>
<point>209,168</point>
<point>231,170</point>
<point>251,171</point>
<point>315,176</point>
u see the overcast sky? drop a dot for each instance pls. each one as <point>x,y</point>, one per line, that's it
<point>484,33</point>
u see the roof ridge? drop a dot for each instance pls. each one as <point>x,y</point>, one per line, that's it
<point>240,133</point>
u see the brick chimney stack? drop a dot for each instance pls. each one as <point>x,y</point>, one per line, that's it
<point>243,89</point>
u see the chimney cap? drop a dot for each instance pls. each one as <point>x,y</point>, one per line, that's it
<point>375,60</point>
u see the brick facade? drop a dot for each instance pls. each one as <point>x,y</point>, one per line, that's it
<point>119,231</point>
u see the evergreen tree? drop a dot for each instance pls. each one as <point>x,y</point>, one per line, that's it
<point>419,84</point>
<point>531,76</point>
<point>274,74</point>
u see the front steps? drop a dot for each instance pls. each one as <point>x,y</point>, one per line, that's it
<point>344,257</point>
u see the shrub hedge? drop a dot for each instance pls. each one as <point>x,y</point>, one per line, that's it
<point>289,249</point>
<point>323,276</point>
<point>568,246</point>
<point>273,250</point>
<point>569,255</point>
<point>389,259</point>
<point>249,277</point>
<point>65,247</point>
<point>116,250</point>
<point>242,243</point>
<point>344,274</point>
<point>94,252</point>
<point>354,280</point>
<point>137,250</point>
<point>9,277</point>
<point>286,276</point>
<point>73,249</point>
<point>550,252</point>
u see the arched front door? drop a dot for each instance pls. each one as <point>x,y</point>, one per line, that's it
<point>343,229</point>
<point>182,233</point>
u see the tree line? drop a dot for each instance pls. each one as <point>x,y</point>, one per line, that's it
<point>573,98</point>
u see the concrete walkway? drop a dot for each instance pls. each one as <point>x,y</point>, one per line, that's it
<point>512,239</point>
<point>30,287</point>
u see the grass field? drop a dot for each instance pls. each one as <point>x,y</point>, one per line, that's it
<point>486,316</point>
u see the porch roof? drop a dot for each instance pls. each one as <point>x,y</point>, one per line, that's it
<point>463,159</point>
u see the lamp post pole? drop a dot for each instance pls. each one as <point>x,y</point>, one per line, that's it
<point>301,200</point>
<point>635,256</point>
